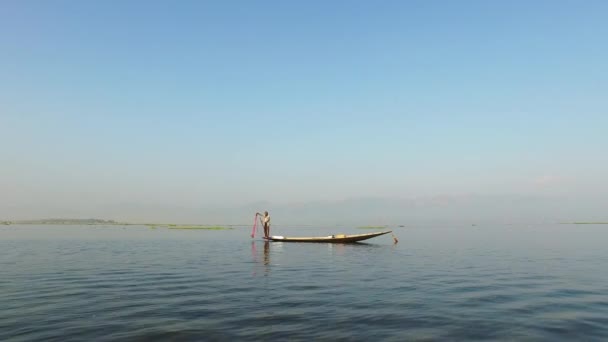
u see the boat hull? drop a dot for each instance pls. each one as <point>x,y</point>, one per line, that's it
<point>329,239</point>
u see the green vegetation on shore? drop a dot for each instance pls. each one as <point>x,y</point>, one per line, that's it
<point>186,226</point>
<point>98,222</point>
<point>372,227</point>
<point>62,221</point>
<point>589,222</point>
<point>200,227</point>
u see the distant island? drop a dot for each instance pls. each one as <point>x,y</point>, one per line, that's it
<point>64,221</point>
<point>372,227</point>
<point>99,222</point>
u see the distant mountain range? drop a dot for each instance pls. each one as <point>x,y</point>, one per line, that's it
<point>63,221</point>
<point>358,211</point>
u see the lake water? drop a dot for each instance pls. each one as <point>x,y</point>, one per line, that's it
<point>518,282</point>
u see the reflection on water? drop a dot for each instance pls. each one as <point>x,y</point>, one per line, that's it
<point>254,252</point>
<point>90,283</point>
<point>266,253</point>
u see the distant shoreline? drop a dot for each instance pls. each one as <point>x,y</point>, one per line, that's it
<point>98,222</point>
<point>101,222</point>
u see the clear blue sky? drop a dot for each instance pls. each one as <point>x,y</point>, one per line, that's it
<point>201,103</point>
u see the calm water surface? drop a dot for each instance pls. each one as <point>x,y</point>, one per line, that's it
<point>440,282</point>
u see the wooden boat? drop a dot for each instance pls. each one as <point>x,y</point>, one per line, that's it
<point>338,238</point>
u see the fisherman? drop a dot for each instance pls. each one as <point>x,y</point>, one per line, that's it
<point>265,220</point>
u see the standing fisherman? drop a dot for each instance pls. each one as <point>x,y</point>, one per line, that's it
<point>265,220</point>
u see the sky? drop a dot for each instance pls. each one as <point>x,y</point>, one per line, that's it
<point>178,109</point>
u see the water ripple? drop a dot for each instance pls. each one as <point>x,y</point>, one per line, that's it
<point>186,288</point>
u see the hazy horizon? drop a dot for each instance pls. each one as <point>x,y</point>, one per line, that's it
<point>469,209</point>
<point>338,112</point>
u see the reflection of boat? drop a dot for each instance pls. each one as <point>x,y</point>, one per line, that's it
<point>338,238</point>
